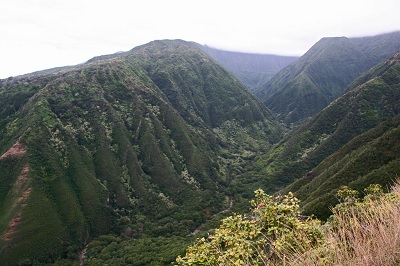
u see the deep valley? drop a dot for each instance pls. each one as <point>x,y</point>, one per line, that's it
<point>130,157</point>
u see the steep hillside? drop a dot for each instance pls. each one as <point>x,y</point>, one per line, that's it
<point>306,150</point>
<point>143,143</point>
<point>378,48</point>
<point>202,95</point>
<point>305,87</point>
<point>371,158</point>
<point>252,70</point>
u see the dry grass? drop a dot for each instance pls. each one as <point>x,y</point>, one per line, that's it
<point>369,237</point>
<point>365,234</point>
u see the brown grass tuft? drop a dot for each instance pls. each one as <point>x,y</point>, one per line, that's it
<point>366,234</point>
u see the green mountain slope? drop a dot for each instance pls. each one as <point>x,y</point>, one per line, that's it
<point>305,87</point>
<point>351,115</point>
<point>378,48</point>
<point>371,158</point>
<point>252,70</point>
<point>141,143</point>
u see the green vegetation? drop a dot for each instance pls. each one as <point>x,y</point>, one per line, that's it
<point>128,158</point>
<point>140,145</point>
<point>275,233</point>
<point>373,157</point>
<point>274,227</point>
<point>112,250</point>
<point>351,142</point>
<point>302,89</point>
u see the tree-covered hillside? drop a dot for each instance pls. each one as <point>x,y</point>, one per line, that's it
<point>141,144</point>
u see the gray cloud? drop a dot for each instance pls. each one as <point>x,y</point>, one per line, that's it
<point>39,34</point>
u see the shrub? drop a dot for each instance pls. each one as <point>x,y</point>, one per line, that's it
<point>273,229</point>
<point>360,232</point>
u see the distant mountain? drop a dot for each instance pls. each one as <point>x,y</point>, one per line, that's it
<point>141,143</point>
<point>378,48</point>
<point>306,86</point>
<point>354,141</point>
<point>251,69</point>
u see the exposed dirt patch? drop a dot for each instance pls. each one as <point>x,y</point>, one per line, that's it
<point>22,189</point>
<point>21,199</point>
<point>82,255</point>
<point>16,150</point>
<point>22,178</point>
<point>12,226</point>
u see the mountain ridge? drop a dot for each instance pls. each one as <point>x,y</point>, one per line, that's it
<point>253,69</point>
<point>322,74</point>
<point>119,145</point>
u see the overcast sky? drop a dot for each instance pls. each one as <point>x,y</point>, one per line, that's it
<point>40,34</point>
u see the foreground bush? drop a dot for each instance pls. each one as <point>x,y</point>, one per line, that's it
<point>360,232</point>
<point>273,229</point>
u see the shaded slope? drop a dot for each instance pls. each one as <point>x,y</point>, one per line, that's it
<point>378,48</point>
<point>252,70</point>
<point>321,75</point>
<point>121,144</point>
<point>354,113</point>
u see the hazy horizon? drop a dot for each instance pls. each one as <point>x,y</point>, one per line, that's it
<point>42,34</point>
